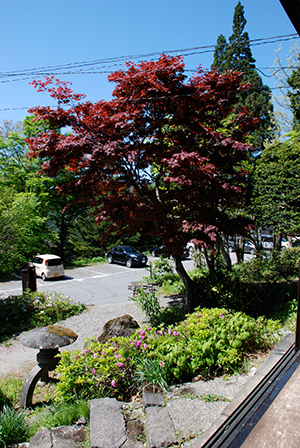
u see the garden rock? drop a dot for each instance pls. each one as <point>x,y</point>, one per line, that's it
<point>119,326</point>
<point>133,288</point>
<point>107,424</point>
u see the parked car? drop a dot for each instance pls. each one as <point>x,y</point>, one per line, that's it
<point>48,266</point>
<point>249,248</point>
<point>161,250</point>
<point>267,241</point>
<point>127,255</point>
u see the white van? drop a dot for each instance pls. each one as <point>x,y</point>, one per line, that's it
<point>48,266</point>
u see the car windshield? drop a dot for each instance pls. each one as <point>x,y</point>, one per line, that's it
<point>132,250</point>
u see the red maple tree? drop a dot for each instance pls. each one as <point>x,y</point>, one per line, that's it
<point>164,156</point>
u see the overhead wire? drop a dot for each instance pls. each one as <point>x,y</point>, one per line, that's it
<point>84,67</point>
<point>88,67</point>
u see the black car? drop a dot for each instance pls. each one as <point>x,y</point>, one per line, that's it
<point>161,250</point>
<point>126,255</point>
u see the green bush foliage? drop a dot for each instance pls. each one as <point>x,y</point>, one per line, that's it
<point>19,313</point>
<point>264,286</point>
<point>208,342</point>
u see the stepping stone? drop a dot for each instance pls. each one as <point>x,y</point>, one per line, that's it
<point>160,431</point>
<point>107,424</point>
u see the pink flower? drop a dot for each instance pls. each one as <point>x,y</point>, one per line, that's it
<point>175,333</point>
<point>76,357</point>
<point>121,364</point>
<point>138,344</point>
<point>95,355</point>
<point>85,368</point>
<point>199,315</point>
<point>159,332</point>
<point>102,352</point>
<point>118,356</point>
<point>146,346</point>
<point>113,383</point>
<point>169,331</point>
<point>149,328</point>
<point>93,371</point>
<point>221,315</point>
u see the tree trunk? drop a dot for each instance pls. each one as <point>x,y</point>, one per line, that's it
<point>189,304</point>
<point>277,241</point>
<point>210,261</point>
<point>239,249</point>
<point>225,253</point>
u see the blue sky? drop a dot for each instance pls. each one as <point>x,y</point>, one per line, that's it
<point>59,32</point>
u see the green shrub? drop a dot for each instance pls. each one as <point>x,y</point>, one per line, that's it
<point>13,428</point>
<point>19,313</point>
<point>207,342</point>
<point>99,370</point>
<point>149,304</point>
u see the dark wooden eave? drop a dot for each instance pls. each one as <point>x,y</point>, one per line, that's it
<point>292,8</point>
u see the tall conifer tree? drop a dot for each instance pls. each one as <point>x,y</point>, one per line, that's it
<point>237,55</point>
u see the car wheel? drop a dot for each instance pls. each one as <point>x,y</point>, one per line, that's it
<point>109,259</point>
<point>129,263</point>
<point>44,278</point>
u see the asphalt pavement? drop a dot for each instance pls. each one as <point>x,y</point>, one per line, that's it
<point>101,284</point>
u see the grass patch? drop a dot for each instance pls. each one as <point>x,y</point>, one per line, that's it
<point>13,427</point>
<point>208,398</point>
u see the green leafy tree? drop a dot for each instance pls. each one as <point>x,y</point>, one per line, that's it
<point>276,189</point>
<point>237,55</point>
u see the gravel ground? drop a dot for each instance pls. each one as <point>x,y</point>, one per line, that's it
<point>16,357</point>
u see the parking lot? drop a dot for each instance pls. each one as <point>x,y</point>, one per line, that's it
<point>93,285</point>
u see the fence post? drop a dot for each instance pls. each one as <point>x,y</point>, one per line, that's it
<point>297,340</point>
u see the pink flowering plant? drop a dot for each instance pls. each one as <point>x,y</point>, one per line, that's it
<point>98,370</point>
<point>207,343</point>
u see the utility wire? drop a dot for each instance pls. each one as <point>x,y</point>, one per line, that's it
<point>84,67</point>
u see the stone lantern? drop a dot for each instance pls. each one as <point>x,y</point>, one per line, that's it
<point>47,340</point>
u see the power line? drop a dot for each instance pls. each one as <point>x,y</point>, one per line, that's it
<point>136,100</point>
<point>85,67</point>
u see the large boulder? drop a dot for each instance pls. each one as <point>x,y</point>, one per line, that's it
<point>119,326</point>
